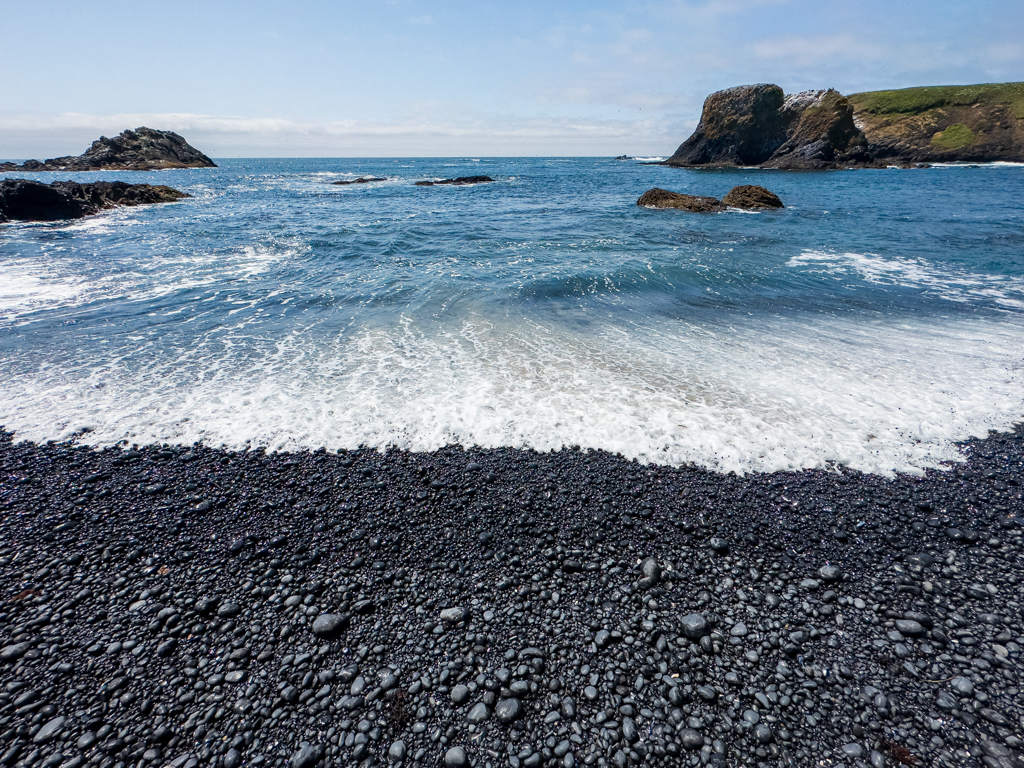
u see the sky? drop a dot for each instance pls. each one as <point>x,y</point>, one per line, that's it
<point>390,78</point>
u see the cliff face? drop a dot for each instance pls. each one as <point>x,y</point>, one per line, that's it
<point>143,149</point>
<point>758,125</point>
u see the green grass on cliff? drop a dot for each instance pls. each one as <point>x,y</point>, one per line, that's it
<point>956,136</point>
<point>914,101</point>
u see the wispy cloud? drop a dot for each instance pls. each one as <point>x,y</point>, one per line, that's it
<point>808,51</point>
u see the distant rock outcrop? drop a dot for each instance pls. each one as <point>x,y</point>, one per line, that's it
<point>461,181</point>
<point>759,125</point>
<point>143,149</point>
<point>24,200</point>
<point>747,196</point>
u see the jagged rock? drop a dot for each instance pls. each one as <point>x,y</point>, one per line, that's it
<point>460,181</point>
<point>662,198</point>
<point>25,200</point>
<point>746,196</point>
<point>751,197</point>
<point>144,149</point>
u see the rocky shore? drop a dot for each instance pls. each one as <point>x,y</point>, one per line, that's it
<point>170,606</point>
<point>25,200</point>
<point>144,149</point>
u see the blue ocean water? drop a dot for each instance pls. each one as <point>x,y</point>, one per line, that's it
<point>874,321</point>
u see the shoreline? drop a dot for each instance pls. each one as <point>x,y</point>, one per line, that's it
<point>165,600</point>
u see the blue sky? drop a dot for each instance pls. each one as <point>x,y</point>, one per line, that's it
<point>408,77</point>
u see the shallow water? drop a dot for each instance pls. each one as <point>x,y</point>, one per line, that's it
<point>875,321</point>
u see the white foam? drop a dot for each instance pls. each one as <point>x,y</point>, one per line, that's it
<point>31,284</point>
<point>767,396</point>
<point>947,281</point>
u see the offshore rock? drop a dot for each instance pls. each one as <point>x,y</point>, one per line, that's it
<point>662,198</point>
<point>751,197</point>
<point>747,196</point>
<point>24,200</point>
<point>144,149</point>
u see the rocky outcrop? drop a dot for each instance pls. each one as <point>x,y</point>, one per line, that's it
<point>758,125</point>
<point>747,197</point>
<point>360,180</point>
<point>143,149</point>
<point>24,200</point>
<point>461,181</point>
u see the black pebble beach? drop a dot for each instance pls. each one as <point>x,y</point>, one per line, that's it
<point>192,607</point>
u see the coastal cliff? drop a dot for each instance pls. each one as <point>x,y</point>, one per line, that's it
<point>759,125</point>
<point>144,149</point>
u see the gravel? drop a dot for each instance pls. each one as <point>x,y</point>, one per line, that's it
<point>185,607</point>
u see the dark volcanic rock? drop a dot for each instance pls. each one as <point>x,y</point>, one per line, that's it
<point>144,149</point>
<point>360,180</point>
<point>760,125</point>
<point>460,181</point>
<point>662,198</point>
<point>751,197</point>
<point>24,200</point>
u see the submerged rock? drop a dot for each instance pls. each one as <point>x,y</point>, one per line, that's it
<point>360,180</point>
<point>460,181</point>
<point>24,200</point>
<point>144,149</point>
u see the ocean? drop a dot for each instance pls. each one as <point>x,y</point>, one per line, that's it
<point>874,322</point>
